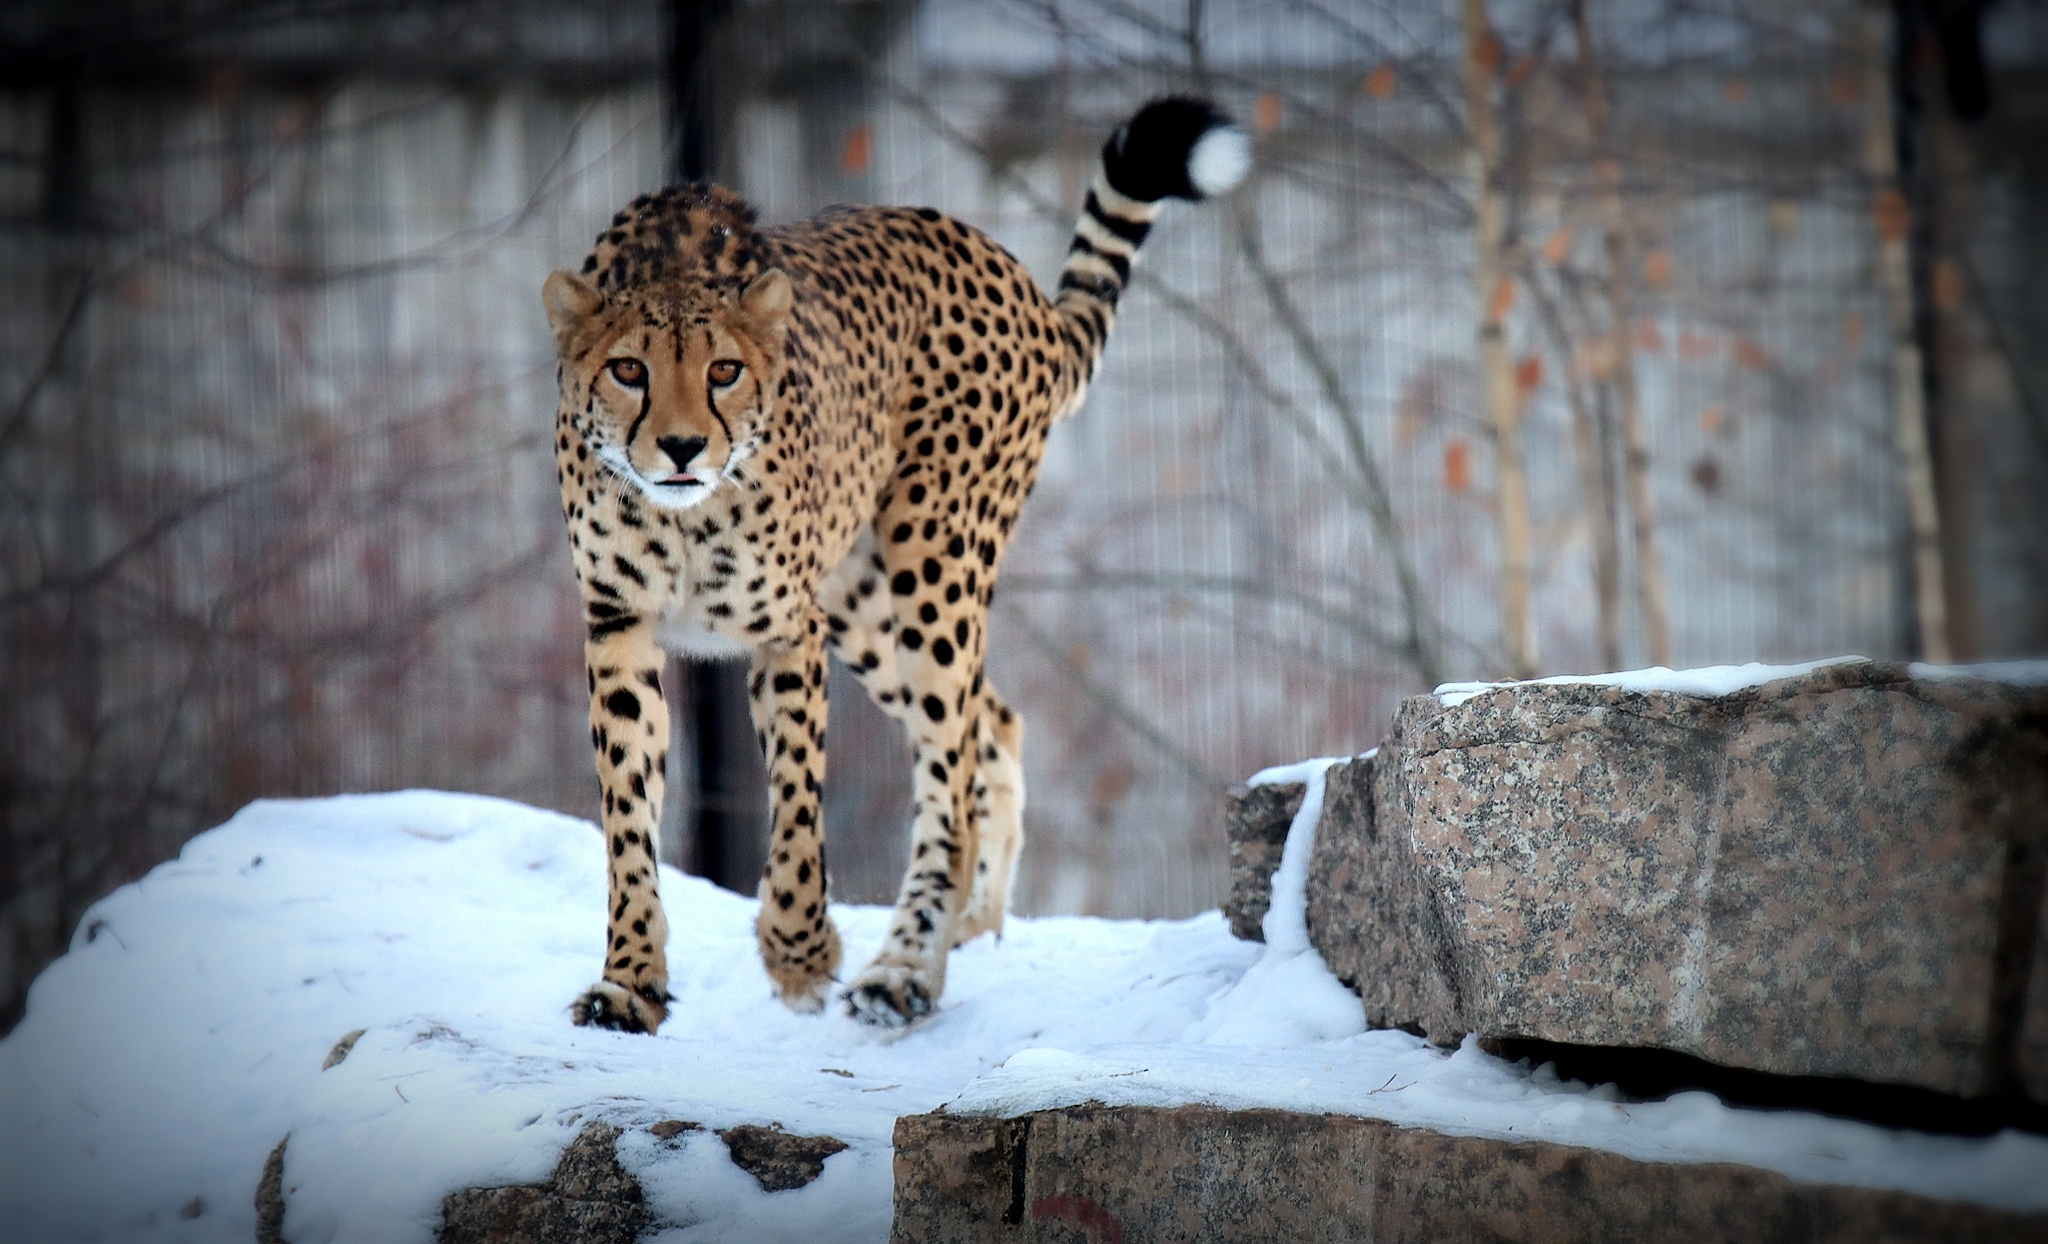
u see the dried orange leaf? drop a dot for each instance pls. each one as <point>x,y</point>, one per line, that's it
<point>1488,53</point>
<point>1558,246</point>
<point>1948,285</point>
<point>1657,268</point>
<point>1503,299</point>
<point>859,146</point>
<point>1266,116</point>
<point>1890,213</point>
<point>1458,466</point>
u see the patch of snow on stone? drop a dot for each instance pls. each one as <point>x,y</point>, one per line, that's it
<point>1289,997</point>
<point>1707,680</point>
<point>2010,673</point>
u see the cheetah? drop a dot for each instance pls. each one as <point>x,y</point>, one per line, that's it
<point>783,443</point>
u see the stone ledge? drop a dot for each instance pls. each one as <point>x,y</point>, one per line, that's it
<point>1200,1174</point>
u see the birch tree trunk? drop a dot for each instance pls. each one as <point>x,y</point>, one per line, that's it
<point>1947,174</point>
<point>1592,443</point>
<point>1635,441</point>
<point>1495,288</point>
<point>1893,218</point>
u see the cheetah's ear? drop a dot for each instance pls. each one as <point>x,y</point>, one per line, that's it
<point>571,302</point>
<point>767,300</point>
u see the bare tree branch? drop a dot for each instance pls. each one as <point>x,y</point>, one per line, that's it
<point>1107,698</point>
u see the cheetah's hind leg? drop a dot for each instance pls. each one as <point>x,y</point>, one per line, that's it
<point>998,795</point>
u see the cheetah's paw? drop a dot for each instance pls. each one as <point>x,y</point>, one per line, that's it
<point>891,996</point>
<point>804,983</point>
<point>804,993</point>
<point>608,1004</point>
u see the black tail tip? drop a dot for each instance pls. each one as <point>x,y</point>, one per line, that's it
<point>1178,147</point>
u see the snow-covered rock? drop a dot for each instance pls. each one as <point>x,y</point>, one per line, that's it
<point>1819,870</point>
<point>164,1057</point>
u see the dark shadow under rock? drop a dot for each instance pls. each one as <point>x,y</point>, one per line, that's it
<point>777,1159</point>
<point>589,1200</point>
<point>1656,1075</point>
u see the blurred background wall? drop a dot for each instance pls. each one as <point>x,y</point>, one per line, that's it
<point>1544,337</point>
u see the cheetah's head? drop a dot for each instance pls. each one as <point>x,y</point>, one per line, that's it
<point>672,393</point>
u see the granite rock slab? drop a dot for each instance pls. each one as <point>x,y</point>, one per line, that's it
<point>590,1199</point>
<point>777,1160</point>
<point>1834,874</point>
<point>1256,820</point>
<point>1195,1173</point>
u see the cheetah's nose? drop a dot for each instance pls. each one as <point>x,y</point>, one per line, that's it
<point>681,450</point>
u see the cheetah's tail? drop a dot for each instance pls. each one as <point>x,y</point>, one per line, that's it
<point>1173,148</point>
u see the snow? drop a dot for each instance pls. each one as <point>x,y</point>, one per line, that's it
<point>1716,680</point>
<point>183,1035</point>
<point>1707,680</point>
<point>2011,673</point>
<point>1288,997</point>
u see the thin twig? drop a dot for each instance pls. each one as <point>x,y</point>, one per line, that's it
<point>1109,701</point>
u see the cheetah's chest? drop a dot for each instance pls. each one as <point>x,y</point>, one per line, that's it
<point>729,568</point>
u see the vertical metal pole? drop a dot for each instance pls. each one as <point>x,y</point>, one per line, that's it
<point>693,88</point>
<point>728,796</point>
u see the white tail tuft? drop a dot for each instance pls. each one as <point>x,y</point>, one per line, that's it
<point>1219,160</point>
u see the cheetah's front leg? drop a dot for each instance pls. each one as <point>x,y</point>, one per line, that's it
<point>629,728</point>
<point>799,945</point>
<point>904,981</point>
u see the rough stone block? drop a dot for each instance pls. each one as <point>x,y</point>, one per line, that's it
<point>1200,1174</point>
<point>1835,874</point>
<point>776,1159</point>
<point>1256,819</point>
<point>590,1200</point>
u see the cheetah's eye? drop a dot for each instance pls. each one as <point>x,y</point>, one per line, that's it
<point>629,372</point>
<point>723,372</point>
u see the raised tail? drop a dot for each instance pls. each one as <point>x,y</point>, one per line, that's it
<point>1173,148</point>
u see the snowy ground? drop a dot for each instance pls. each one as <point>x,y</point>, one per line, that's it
<point>183,1036</point>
